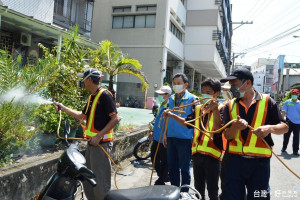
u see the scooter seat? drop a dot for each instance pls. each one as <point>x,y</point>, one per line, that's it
<point>155,192</point>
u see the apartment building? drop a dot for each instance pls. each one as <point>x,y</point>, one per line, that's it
<point>263,78</point>
<point>167,37</point>
<point>25,23</point>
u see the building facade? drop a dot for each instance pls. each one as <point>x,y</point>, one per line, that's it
<point>167,37</point>
<point>25,23</point>
<point>291,76</point>
<point>263,77</point>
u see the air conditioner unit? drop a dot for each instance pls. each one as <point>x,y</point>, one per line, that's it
<point>25,39</point>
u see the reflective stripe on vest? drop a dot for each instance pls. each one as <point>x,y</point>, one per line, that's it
<point>253,146</point>
<point>205,145</point>
<point>89,130</point>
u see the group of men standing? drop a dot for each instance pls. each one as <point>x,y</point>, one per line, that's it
<point>238,154</point>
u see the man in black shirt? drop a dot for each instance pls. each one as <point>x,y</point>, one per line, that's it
<point>207,153</point>
<point>101,115</point>
<point>248,158</point>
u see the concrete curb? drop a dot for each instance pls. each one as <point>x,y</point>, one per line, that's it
<point>25,181</point>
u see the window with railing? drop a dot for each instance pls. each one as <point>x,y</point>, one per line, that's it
<point>175,31</point>
<point>74,12</point>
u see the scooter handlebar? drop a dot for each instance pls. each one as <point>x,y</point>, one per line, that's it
<point>91,181</point>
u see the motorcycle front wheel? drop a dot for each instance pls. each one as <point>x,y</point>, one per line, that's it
<point>142,150</point>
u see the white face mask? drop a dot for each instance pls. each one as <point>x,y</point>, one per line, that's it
<point>178,88</point>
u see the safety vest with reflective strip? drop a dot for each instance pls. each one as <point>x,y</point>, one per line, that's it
<point>205,145</point>
<point>89,129</point>
<point>252,146</point>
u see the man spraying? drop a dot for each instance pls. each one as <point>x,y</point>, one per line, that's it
<point>101,115</point>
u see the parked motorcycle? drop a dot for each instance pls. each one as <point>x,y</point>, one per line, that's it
<point>71,171</point>
<point>142,150</point>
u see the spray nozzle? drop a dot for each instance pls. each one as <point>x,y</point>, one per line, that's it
<point>56,104</point>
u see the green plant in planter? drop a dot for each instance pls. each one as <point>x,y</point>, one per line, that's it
<point>13,130</point>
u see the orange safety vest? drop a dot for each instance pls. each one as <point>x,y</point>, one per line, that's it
<point>205,145</point>
<point>252,146</point>
<point>89,129</point>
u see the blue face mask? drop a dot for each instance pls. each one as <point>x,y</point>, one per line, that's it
<point>160,98</point>
<point>294,97</point>
<point>204,96</point>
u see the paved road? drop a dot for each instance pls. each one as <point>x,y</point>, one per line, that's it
<point>284,185</point>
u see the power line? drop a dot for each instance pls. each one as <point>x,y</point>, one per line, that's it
<point>280,17</point>
<point>253,8</point>
<point>265,3</point>
<point>274,48</point>
<point>275,38</point>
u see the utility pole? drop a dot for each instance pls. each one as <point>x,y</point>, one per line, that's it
<point>241,24</point>
<point>234,56</point>
<point>229,51</point>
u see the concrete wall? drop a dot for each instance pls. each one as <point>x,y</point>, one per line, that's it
<point>39,9</point>
<point>152,61</point>
<point>24,182</point>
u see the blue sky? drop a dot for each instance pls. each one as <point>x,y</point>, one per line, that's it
<point>275,23</point>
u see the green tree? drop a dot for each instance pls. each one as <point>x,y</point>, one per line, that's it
<point>110,59</point>
<point>69,61</point>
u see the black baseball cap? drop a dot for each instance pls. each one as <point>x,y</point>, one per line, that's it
<point>90,72</point>
<point>244,74</point>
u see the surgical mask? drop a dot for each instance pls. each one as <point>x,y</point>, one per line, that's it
<point>294,97</point>
<point>227,95</point>
<point>160,99</point>
<point>204,96</point>
<point>178,88</point>
<point>237,93</point>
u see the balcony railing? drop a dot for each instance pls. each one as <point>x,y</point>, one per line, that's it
<point>74,12</point>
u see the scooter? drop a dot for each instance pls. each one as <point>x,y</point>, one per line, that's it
<point>71,171</point>
<point>142,150</point>
<point>156,192</point>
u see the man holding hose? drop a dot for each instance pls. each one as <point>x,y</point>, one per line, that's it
<point>101,115</point>
<point>207,148</point>
<point>161,164</point>
<point>248,157</point>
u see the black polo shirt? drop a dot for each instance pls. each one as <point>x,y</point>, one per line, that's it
<point>217,137</point>
<point>106,107</point>
<point>273,115</point>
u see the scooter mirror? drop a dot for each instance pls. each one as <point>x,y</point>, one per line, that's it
<point>67,130</point>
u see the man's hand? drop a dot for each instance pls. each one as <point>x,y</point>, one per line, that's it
<point>262,131</point>
<point>165,141</point>
<point>211,106</point>
<point>240,124</point>
<point>150,136</point>
<point>95,140</point>
<point>60,106</point>
<point>168,113</point>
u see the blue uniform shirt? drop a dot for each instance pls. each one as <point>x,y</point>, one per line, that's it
<point>292,110</point>
<point>174,129</point>
<point>159,120</point>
